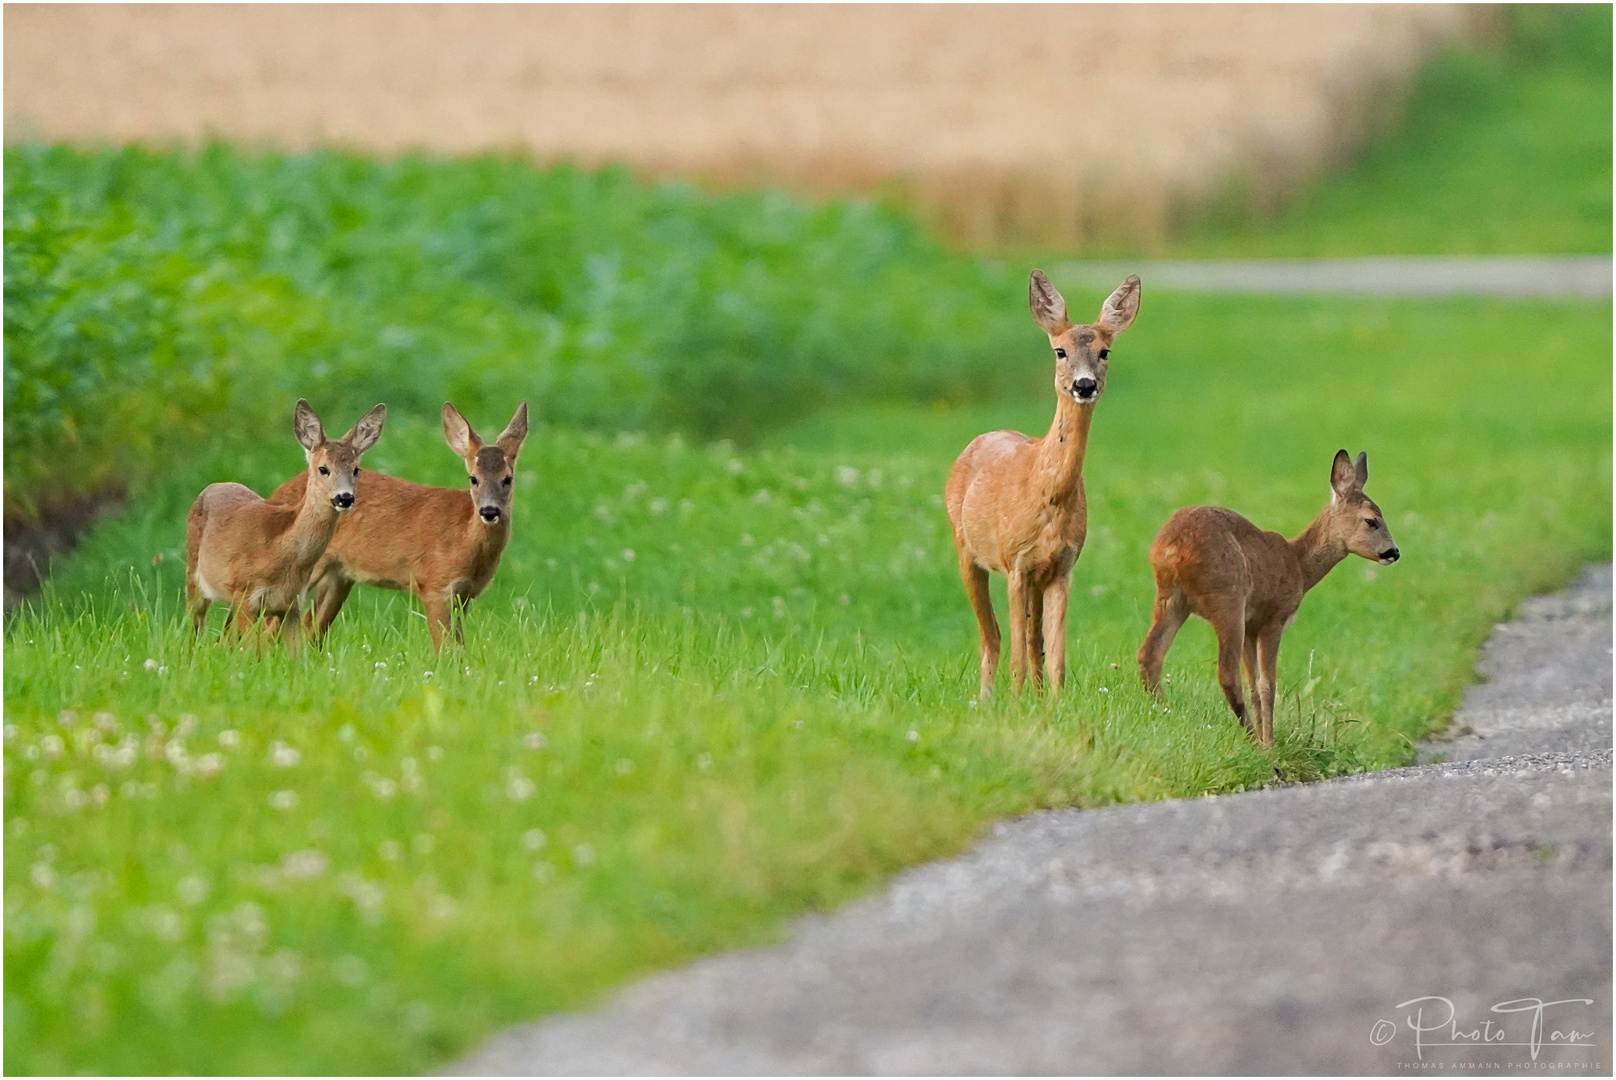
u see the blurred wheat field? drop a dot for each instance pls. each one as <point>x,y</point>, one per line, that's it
<point>1001,124</point>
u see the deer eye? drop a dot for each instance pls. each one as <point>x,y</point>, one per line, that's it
<point>473,480</point>
<point>356,472</point>
<point>1061,353</point>
<point>1372,523</point>
<point>1105,354</point>
<point>324,471</point>
<point>507,481</point>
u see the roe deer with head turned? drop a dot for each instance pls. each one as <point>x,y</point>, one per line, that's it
<point>1016,503</point>
<point>440,544</point>
<point>256,555</point>
<point>1249,583</point>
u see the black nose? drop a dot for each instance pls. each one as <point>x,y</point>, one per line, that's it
<point>1085,387</point>
<point>342,500</point>
<point>1391,555</point>
<point>490,513</point>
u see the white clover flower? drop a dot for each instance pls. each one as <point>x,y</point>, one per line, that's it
<point>150,664</point>
<point>229,738</point>
<point>913,736</point>
<point>424,843</point>
<point>535,740</point>
<point>658,507</point>
<point>283,800</point>
<point>67,717</point>
<point>520,788</point>
<point>628,554</point>
<point>52,746</point>
<point>846,475</point>
<point>534,839</point>
<point>42,875</point>
<point>584,854</point>
<point>303,865</point>
<point>624,766</point>
<point>192,890</point>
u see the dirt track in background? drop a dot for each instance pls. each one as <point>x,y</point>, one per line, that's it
<point>1004,122</point>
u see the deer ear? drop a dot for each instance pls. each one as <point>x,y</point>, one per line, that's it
<point>510,440</point>
<point>1361,469</point>
<point>1048,306</point>
<point>458,434</point>
<point>368,430</point>
<point>1343,476</point>
<point>306,426</point>
<point>1117,313</point>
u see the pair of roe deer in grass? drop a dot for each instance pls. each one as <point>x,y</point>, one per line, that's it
<point>329,529</point>
<point>1016,506</point>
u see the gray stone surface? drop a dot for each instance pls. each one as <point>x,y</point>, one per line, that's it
<point>1267,932</point>
<point>1587,276</point>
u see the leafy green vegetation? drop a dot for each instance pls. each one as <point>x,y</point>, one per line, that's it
<point>713,687</point>
<point>155,302</point>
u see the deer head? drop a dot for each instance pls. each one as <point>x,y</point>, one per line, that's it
<point>1353,519</point>
<point>491,469</point>
<point>1082,351</point>
<point>334,466</point>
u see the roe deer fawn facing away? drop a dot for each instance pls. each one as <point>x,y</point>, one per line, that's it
<point>1016,503</point>
<point>1248,583</point>
<point>440,544</point>
<point>256,555</point>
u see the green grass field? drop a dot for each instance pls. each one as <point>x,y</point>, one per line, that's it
<point>726,673</point>
<point>712,688</point>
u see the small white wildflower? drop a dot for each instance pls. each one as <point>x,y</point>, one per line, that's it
<point>389,850</point>
<point>349,970</point>
<point>913,736</point>
<point>150,664</point>
<point>99,795</point>
<point>703,760</point>
<point>434,753</point>
<point>624,766</point>
<point>762,498</point>
<point>845,600</point>
<point>846,475</point>
<point>736,466</point>
<point>52,746</point>
<point>73,798</point>
<point>42,875</point>
<point>283,800</point>
<point>229,738</point>
<point>381,665</point>
<point>424,843</point>
<point>534,839</point>
<point>628,554</point>
<point>584,854</point>
<point>1105,689</point>
<point>384,788</point>
<point>192,890</point>
<point>11,733</point>
<point>658,507</point>
<point>779,607</point>
<point>543,871</point>
<point>67,717</point>
<point>520,788</point>
<point>303,865</point>
<point>746,540</point>
<point>535,740</point>
<point>284,756</point>
<point>105,721</point>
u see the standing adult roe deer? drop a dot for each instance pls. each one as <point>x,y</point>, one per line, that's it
<point>256,555</point>
<point>1248,583</point>
<point>440,544</point>
<point>1016,503</point>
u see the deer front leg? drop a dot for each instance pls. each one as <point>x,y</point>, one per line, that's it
<point>1055,597</point>
<point>329,596</point>
<point>291,629</point>
<point>1018,630</point>
<point>437,616</point>
<point>1035,635</point>
<point>458,607</point>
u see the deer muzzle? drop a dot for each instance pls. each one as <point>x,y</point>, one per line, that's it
<point>490,514</point>
<point>1085,388</point>
<point>342,500</point>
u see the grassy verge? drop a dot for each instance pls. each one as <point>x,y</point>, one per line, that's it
<point>712,687</point>
<point>1500,150</point>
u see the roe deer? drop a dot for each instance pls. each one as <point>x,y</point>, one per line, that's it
<point>440,544</point>
<point>1016,503</point>
<point>256,555</point>
<point>1248,583</point>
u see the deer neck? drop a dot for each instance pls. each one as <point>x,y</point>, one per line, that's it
<point>487,541</point>
<point>311,530</point>
<point>1059,466</point>
<point>1317,551</point>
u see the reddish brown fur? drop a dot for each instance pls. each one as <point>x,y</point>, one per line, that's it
<point>1016,503</point>
<point>1248,583</point>
<point>429,541</point>
<point>256,555</point>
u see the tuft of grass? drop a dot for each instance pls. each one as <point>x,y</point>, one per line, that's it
<point>713,687</point>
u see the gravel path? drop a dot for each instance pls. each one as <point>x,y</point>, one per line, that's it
<point>1266,932</point>
<point>1586,276</point>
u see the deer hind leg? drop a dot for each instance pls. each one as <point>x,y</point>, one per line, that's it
<point>290,629</point>
<point>196,605</point>
<point>1268,679</point>
<point>1054,603</point>
<point>437,615</point>
<point>976,588</point>
<point>1167,618</point>
<point>1230,627</point>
